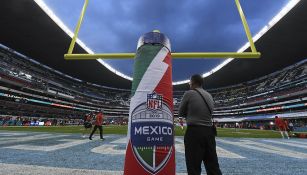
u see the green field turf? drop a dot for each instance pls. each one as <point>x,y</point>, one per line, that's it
<point>113,129</point>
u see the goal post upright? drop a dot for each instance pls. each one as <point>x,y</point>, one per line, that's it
<point>246,27</point>
<point>74,39</point>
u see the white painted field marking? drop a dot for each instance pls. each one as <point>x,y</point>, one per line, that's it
<point>6,139</point>
<point>227,154</point>
<point>303,142</point>
<point>111,148</point>
<point>69,143</point>
<point>220,151</point>
<point>287,143</point>
<point>108,149</point>
<point>266,148</point>
<point>120,141</point>
<point>9,134</point>
<point>34,169</point>
<point>31,138</point>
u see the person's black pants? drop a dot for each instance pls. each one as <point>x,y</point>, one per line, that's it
<point>94,130</point>
<point>200,147</point>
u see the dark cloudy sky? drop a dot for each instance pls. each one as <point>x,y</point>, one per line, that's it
<point>191,25</point>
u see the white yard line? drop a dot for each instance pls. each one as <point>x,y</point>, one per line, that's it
<point>303,141</point>
<point>299,145</point>
<point>108,149</point>
<point>10,134</point>
<point>120,141</point>
<point>266,148</point>
<point>220,151</point>
<point>31,138</point>
<point>69,143</point>
<point>42,170</point>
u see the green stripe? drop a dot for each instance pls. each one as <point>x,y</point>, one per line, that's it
<point>147,155</point>
<point>143,58</point>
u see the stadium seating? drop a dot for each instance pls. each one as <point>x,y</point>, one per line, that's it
<point>30,89</point>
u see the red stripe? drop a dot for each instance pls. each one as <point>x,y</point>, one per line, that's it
<point>165,86</point>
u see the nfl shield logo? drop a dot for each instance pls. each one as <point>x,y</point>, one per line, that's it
<point>152,133</point>
<point>154,101</point>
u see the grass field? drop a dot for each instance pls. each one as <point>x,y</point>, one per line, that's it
<point>114,129</point>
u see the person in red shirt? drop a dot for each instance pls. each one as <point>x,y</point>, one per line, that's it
<point>281,125</point>
<point>98,124</point>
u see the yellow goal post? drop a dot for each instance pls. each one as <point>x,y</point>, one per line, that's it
<point>176,55</point>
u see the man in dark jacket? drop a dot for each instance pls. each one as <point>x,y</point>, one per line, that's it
<point>199,140</point>
<point>98,124</point>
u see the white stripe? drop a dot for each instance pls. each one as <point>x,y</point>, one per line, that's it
<point>154,158</point>
<point>120,141</point>
<point>303,142</point>
<point>108,149</point>
<point>287,143</point>
<point>266,148</point>
<point>34,169</point>
<point>8,134</point>
<point>31,138</point>
<point>6,139</point>
<point>69,143</point>
<point>220,151</point>
<point>227,154</point>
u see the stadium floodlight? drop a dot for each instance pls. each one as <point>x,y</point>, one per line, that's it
<point>177,55</point>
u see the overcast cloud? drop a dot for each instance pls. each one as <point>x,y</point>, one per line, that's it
<point>191,25</point>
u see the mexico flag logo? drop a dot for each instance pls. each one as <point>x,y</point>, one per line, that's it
<point>150,149</point>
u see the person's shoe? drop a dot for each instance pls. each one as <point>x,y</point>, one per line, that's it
<point>102,139</point>
<point>90,138</point>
